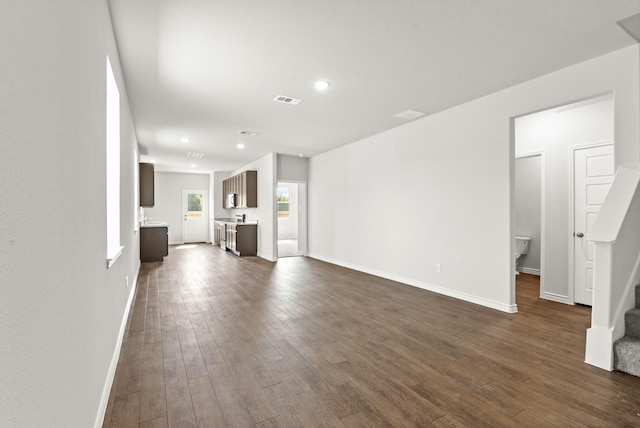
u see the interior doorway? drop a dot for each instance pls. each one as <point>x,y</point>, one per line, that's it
<point>292,219</point>
<point>557,133</point>
<point>530,209</point>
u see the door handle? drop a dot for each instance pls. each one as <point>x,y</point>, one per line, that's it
<point>579,234</point>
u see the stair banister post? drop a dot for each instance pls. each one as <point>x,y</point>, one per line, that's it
<point>600,336</point>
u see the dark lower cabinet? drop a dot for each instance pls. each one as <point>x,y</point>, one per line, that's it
<point>154,243</point>
<point>242,239</point>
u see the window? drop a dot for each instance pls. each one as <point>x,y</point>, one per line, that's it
<point>194,205</point>
<point>283,202</point>
<point>114,249</point>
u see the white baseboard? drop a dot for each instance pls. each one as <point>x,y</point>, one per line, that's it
<point>104,400</point>
<point>556,297</point>
<point>530,271</point>
<point>266,257</point>
<point>425,286</point>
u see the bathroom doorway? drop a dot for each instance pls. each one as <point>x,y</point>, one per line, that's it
<point>556,134</point>
<point>291,203</point>
<point>529,205</point>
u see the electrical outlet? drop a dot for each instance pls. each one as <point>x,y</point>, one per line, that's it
<point>438,267</point>
<point>126,282</point>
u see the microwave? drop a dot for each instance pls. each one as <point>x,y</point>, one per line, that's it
<point>231,200</point>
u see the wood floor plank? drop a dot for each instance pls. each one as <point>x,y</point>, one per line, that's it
<point>205,403</point>
<point>125,411</point>
<point>153,403</point>
<point>231,402</point>
<point>179,406</point>
<point>249,388</point>
<point>290,412</point>
<point>155,423</point>
<point>129,375</point>
<point>217,340</point>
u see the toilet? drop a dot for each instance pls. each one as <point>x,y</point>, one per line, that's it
<point>522,247</point>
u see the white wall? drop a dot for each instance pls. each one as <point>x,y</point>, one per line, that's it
<point>61,309</point>
<point>439,190</point>
<point>288,226</point>
<point>555,132</point>
<point>168,199</point>
<point>528,209</point>
<point>265,214</point>
<point>292,168</point>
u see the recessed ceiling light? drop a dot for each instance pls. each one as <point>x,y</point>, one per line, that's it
<point>322,85</point>
<point>301,155</point>
<point>240,146</point>
<point>185,140</point>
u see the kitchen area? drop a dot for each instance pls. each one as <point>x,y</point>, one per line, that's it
<point>161,218</point>
<point>237,234</point>
<point>239,209</point>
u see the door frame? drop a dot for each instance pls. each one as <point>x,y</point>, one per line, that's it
<point>572,202</point>
<point>205,213</point>
<point>543,186</point>
<point>302,215</point>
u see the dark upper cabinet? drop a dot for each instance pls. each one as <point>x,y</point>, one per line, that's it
<point>147,185</point>
<point>245,188</point>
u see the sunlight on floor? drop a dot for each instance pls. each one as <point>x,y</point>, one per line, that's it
<point>288,248</point>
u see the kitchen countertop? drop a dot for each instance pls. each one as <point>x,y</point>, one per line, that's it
<point>154,224</point>
<point>234,221</point>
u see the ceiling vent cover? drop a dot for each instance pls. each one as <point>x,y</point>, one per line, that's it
<point>287,100</point>
<point>195,155</point>
<point>409,114</point>
<point>250,133</point>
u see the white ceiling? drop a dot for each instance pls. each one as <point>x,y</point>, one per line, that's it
<point>207,69</point>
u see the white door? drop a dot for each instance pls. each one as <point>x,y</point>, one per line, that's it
<point>593,169</point>
<point>194,215</point>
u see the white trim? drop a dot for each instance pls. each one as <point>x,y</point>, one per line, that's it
<point>556,297</point>
<point>571,200</point>
<point>530,271</point>
<point>111,258</point>
<point>264,256</point>
<point>543,217</point>
<point>303,216</point>
<point>106,390</point>
<point>425,286</point>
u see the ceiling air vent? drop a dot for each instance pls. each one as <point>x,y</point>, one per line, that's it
<point>195,155</point>
<point>287,100</point>
<point>409,114</point>
<point>250,133</point>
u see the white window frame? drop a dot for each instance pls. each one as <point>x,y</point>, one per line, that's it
<point>114,249</point>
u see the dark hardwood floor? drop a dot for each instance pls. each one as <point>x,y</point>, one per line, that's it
<point>214,340</point>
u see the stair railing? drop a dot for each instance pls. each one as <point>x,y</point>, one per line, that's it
<point>616,235</point>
